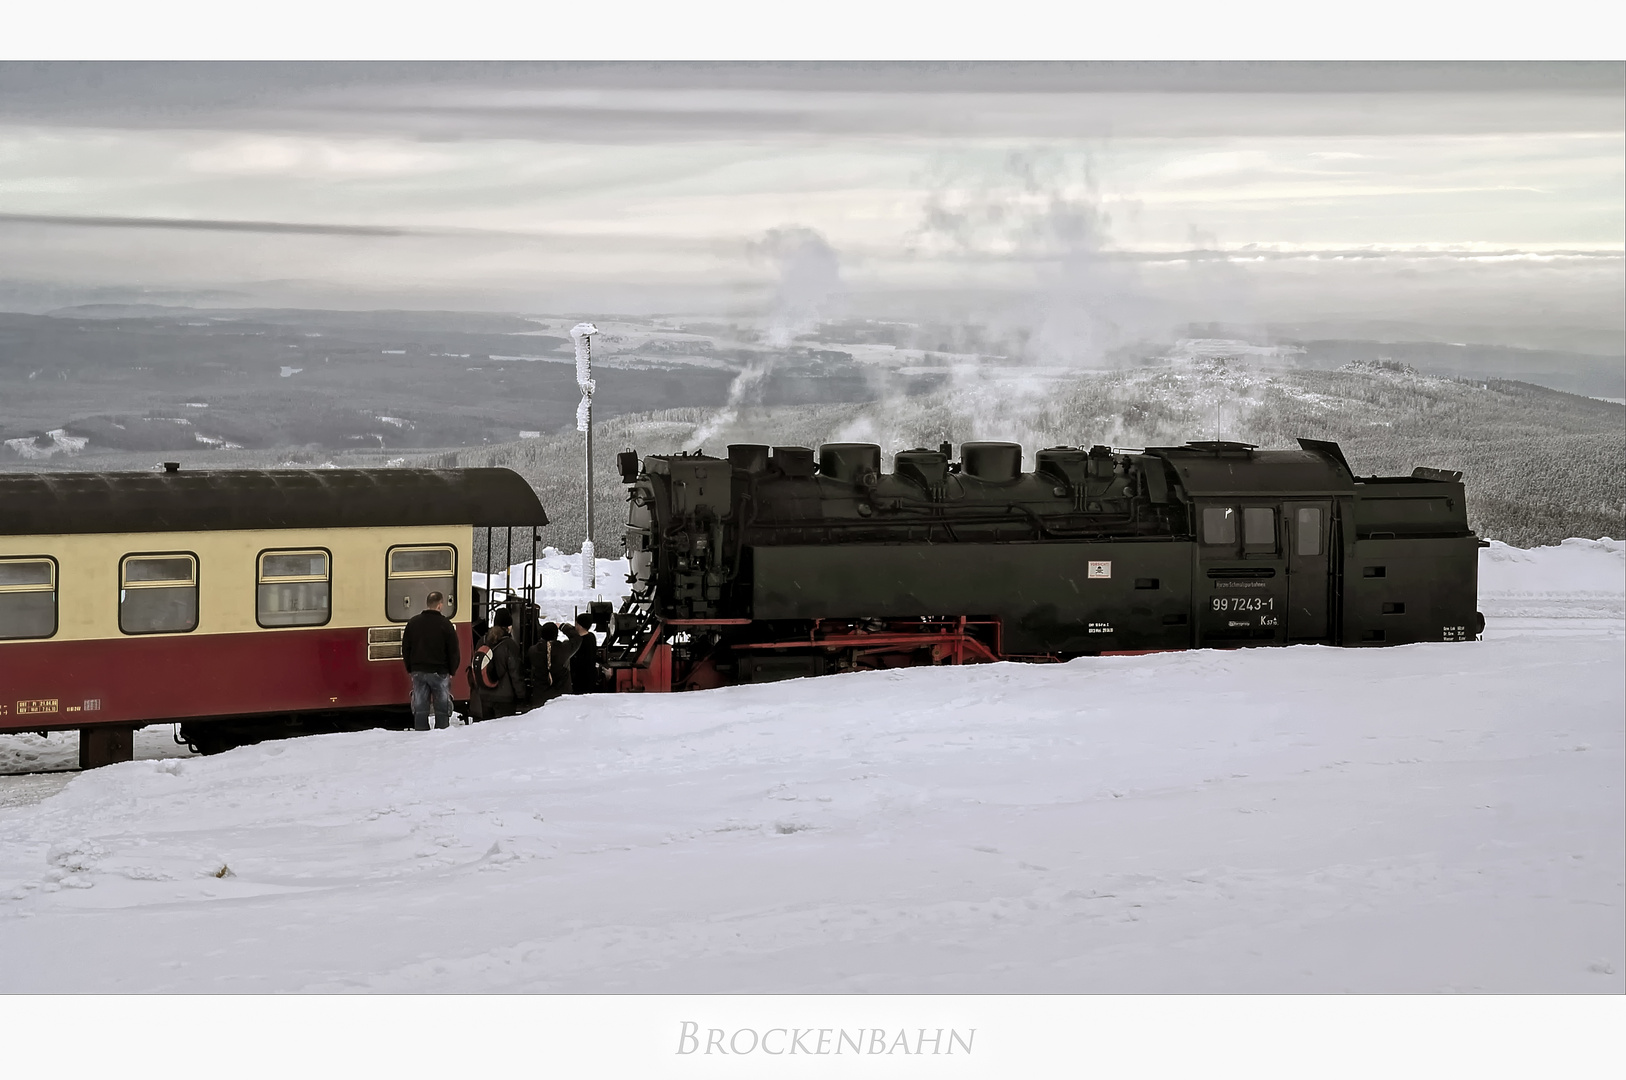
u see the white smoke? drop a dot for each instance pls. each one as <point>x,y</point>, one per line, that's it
<point>1043,211</point>
<point>809,278</point>
<point>1089,306</point>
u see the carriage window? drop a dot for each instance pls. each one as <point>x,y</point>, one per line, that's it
<point>415,572</point>
<point>1258,528</point>
<point>158,594</point>
<point>1219,525</point>
<point>294,589</point>
<point>27,598</point>
<point>1308,528</point>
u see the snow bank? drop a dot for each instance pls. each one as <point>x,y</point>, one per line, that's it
<point>1576,579</point>
<point>558,581</point>
<point>32,753</point>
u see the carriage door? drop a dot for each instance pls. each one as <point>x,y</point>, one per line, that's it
<point>1308,566</point>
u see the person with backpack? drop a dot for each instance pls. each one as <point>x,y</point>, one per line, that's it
<point>430,652</point>
<point>497,664</point>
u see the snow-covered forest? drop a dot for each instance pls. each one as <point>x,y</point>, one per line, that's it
<point>1539,465</point>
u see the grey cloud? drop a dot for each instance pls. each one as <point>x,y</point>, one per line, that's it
<point>448,101</point>
<point>290,227</point>
<point>1050,115</point>
<point>642,243</point>
<point>693,159</point>
<point>81,86</point>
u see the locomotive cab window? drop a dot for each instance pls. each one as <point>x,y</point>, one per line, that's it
<point>1219,525</point>
<point>1308,527</point>
<point>27,598</point>
<point>414,573</point>
<point>1258,529</point>
<point>294,588</point>
<point>158,594</point>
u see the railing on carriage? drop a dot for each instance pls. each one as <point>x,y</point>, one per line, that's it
<point>500,590</point>
<point>519,587</point>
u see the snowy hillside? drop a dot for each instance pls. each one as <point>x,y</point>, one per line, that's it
<point>1539,465</point>
<point>1426,818</point>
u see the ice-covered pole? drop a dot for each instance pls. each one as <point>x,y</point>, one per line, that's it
<point>583,333</point>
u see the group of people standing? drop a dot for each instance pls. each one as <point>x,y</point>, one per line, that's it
<point>504,678</point>
<point>563,660</point>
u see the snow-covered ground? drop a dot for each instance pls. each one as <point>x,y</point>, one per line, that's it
<point>1579,579</point>
<point>1425,818</point>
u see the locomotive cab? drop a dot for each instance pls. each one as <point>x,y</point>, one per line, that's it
<point>1263,535</point>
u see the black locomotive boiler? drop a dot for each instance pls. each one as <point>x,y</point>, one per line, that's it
<point>778,563</point>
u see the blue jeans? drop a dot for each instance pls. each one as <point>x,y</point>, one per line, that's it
<point>427,686</point>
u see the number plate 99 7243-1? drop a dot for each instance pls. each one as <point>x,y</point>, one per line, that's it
<point>1243,603</point>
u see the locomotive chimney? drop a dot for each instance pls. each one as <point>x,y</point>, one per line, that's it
<point>583,333</point>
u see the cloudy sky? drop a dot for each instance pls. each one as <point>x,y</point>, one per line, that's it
<point>1456,195</point>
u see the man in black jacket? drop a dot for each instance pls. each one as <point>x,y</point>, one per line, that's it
<point>430,652</point>
<point>584,664</point>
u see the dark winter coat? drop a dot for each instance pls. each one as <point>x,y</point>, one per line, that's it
<point>429,643</point>
<point>584,665</point>
<point>504,669</point>
<point>553,657</point>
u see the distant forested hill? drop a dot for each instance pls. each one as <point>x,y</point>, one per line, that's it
<point>1540,465</point>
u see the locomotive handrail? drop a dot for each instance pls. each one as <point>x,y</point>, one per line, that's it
<point>647,653</point>
<point>705,622</point>
<point>1011,512</point>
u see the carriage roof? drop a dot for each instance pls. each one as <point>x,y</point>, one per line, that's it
<point>184,501</point>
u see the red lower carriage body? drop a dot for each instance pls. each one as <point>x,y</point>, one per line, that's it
<point>128,682</point>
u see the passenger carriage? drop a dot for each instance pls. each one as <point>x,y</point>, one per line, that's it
<point>237,603</point>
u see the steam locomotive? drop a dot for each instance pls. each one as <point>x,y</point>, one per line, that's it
<point>777,563</point>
